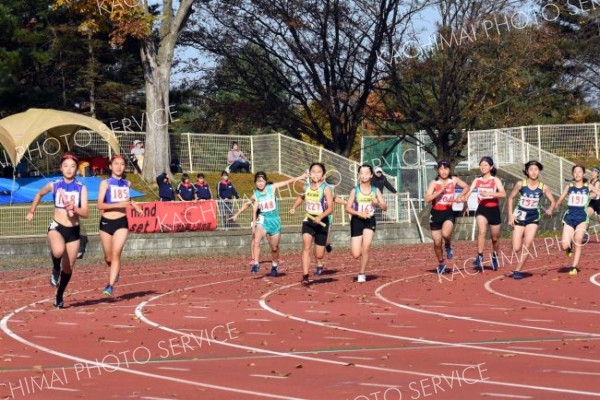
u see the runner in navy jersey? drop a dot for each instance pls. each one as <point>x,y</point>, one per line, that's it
<point>113,201</point>
<point>70,204</point>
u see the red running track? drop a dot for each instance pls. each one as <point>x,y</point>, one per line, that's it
<point>207,329</point>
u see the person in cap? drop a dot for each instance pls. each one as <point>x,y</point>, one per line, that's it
<point>489,190</point>
<point>441,192</point>
<point>165,189</point>
<point>380,181</point>
<point>575,219</point>
<point>526,216</point>
<point>594,207</point>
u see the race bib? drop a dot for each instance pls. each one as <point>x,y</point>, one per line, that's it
<point>366,208</point>
<point>520,215</point>
<point>314,208</point>
<point>529,202</point>
<point>484,193</point>
<point>119,193</point>
<point>267,205</point>
<point>61,196</point>
<point>446,199</point>
<point>577,199</point>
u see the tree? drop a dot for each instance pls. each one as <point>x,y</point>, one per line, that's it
<point>158,35</point>
<point>320,53</point>
<point>477,73</point>
<point>230,106</point>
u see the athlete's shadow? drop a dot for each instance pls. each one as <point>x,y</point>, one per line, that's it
<point>367,277</point>
<point>329,271</point>
<point>563,270</point>
<point>321,281</point>
<point>109,300</point>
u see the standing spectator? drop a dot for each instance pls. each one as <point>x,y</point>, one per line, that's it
<point>236,160</point>
<point>202,188</point>
<point>380,181</point>
<point>165,190</point>
<point>185,190</point>
<point>138,155</point>
<point>226,192</point>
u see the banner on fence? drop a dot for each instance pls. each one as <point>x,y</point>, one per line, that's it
<point>167,217</point>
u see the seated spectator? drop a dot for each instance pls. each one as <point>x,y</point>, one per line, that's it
<point>226,192</point>
<point>138,155</point>
<point>175,166</point>
<point>185,190</point>
<point>236,161</point>
<point>165,190</point>
<point>202,188</point>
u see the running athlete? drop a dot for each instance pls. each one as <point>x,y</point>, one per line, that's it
<point>594,207</point>
<point>319,205</point>
<point>362,201</point>
<point>525,218</point>
<point>113,201</point>
<point>70,204</point>
<point>575,219</point>
<point>336,199</point>
<point>489,191</point>
<point>442,195</point>
<point>266,218</point>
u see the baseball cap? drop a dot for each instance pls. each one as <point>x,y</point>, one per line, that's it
<point>378,169</point>
<point>136,142</point>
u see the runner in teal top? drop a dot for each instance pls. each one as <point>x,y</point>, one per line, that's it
<point>266,218</point>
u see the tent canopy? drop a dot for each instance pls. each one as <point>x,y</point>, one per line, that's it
<point>18,131</point>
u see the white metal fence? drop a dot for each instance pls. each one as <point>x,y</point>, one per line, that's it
<point>568,141</point>
<point>13,224</point>
<point>510,154</point>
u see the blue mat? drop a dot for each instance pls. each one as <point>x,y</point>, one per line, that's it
<point>23,190</point>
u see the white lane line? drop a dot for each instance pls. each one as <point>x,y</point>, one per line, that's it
<point>62,388</point>
<point>459,365</point>
<point>594,279</point>
<point>383,313</point>
<point>536,320</point>
<point>268,376</point>
<point>258,319</point>
<point>506,396</point>
<point>488,287</point>
<point>260,333</point>
<point>525,348</point>
<point>44,337</point>
<point>194,317</point>
<point>473,319</point>
<point>487,330</point>
<point>263,302</point>
<point>339,338</point>
<point>580,373</point>
<point>35,310</point>
<point>383,385</point>
<point>175,369</point>
<point>317,311</point>
<point>154,398</point>
<point>402,326</point>
<point>67,323</point>
<point>13,335</point>
<point>123,326</point>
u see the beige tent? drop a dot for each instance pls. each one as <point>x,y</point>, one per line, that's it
<point>18,131</point>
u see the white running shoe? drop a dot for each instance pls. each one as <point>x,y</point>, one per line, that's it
<point>361,278</point>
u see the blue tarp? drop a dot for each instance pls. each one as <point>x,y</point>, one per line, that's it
<point>23,190</point>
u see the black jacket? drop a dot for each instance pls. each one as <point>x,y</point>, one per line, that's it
<point>382,182</point>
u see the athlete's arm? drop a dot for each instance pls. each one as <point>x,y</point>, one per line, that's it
<point>83,210</point>
<point>36,200</point>
<point>563,196</point>
<point>297,202</point>
<point>244,208</point>
<point>548,193</point>
<point>277,185</point>
<point>594,190</point>
<point>500,192</point>
<point>431,194</point>
<point>349,206</point>
<point>329,198</point>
